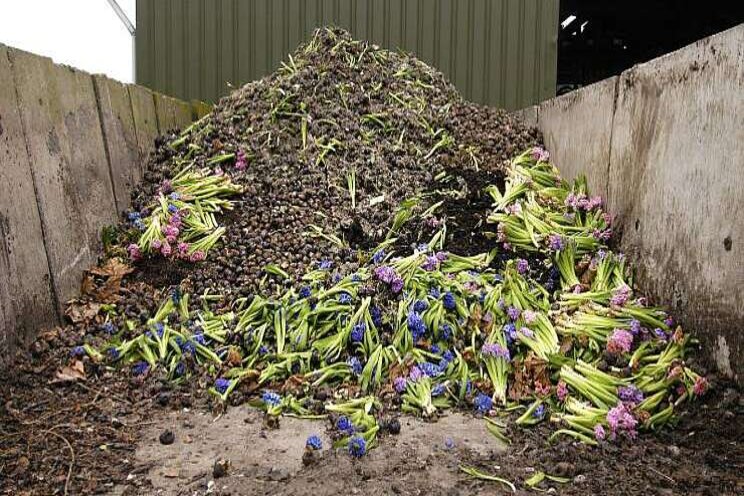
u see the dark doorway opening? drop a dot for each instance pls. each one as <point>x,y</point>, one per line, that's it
<point>601,38</point>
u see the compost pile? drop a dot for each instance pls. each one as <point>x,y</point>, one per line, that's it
<point>325,150</point>
<point>327,242</point>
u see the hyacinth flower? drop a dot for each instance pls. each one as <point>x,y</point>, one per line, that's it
<point>359,413</point>
<point>601,388</point>
<point>581,420</point>
<point>533,415</point>
<point>417,398</point>
<point>496,357</point>
<point>462,308</point>
<point>182,224</point>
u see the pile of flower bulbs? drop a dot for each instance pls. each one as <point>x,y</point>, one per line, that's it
<point>546,323</point>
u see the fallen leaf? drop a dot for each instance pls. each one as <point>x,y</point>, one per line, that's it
<point>82,312</point>
<point>113,267</point>
<point>71,373</point>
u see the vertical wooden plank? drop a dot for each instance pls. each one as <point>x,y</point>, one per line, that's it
<point>26,298</point>
<point>120,138</point>
<point>394,20</point>
<point>65,227</point>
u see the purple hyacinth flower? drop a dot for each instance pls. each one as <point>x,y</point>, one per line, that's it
<point>400,383</point>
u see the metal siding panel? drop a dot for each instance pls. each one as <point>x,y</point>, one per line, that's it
<point>177,49</point>
<point>345,14</point>
<point>529,83</point>
<point>327,11</point>
<point>427,28</point>
<point>446,29</point>
<point>277,35</point>
<point>192,63</point>
<point>226,53</point>
<point>550,76</point>
<point>377,20</point>
<point>500,52</point>
<point>261,49</point>
<point>512,54</point>
<point>477,63</point>
<point>495,61</point>
<point>210,65</point>
<point>360,20</point>
<point>143,43</point>
<point>295,32</point>
<point>395,24</point>
<point>460,51</point>
<point>161,23</point>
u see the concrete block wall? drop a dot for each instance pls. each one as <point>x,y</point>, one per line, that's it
<point>72,147</point>
<point>664,144</point>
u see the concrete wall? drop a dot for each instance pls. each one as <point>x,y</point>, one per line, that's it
<point>664,143</point>
<point>72,147</point>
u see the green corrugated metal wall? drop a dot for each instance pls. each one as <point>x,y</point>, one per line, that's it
<point>499,52</point>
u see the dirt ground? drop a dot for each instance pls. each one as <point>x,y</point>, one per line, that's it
<point>104,437</point>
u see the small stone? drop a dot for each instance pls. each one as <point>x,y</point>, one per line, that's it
<point>163,399</point>
<point>565,469</point>
<point>580,479</point>
<point>673,450</point>
<point>393,426</point>
<point>220,468</point>
<point>278,474</point>
<point>167,437</point>
<point>311,457</point>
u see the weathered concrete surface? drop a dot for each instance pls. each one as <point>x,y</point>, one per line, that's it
<point>120,137</point>
<point>62,214</point>
<point>145,120</point>
<point>672,133</point>
<point>577,129</point>
<point>677,184</point>
<point>529,115</point>
<point>87,160</point>
<point>72,147</point>
<point>199,109</point>
<point>171,113</point>
<point>25,285</point>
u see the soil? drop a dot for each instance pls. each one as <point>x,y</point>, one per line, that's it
<point>102,436</point>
